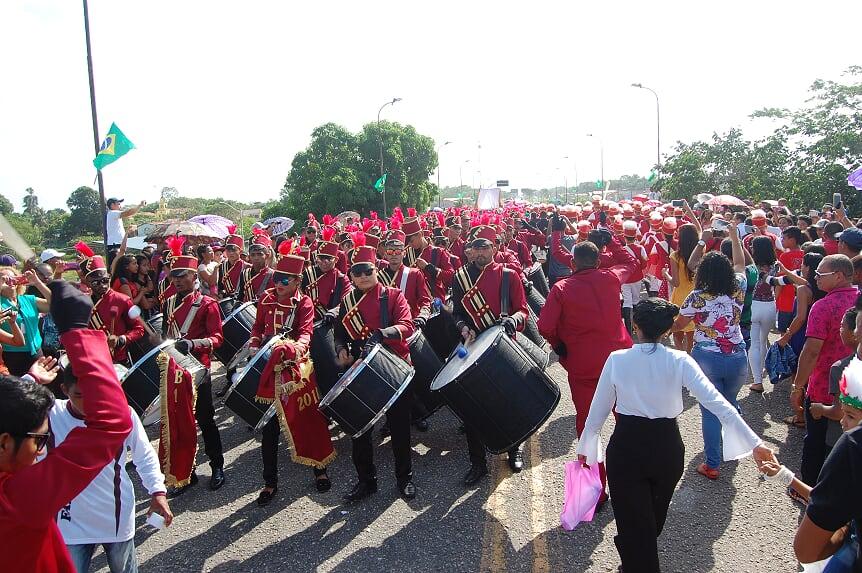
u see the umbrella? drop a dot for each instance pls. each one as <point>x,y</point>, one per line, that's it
<point>215,223</point>
<point>184,228</point>
<point>345,214</point>
<point>726,201</point>
<point>855,179</point>
<point>278,225</point>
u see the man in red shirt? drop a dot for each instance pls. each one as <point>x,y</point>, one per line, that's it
<point>760,223</point>
<point>32,495</point>
<point>432,261</point>
<point>791,258</point>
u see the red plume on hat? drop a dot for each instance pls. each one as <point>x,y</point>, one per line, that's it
<point>373,215</point>
<point>351,228</point>
<point>231,229</point>
<point>175,244</point>
<point>411,212</point>
<point>328,219</point>
<point>84,249</point>
<point>441,220</point>
<point>358,238</point>
<point>301,242</point>
<point>367,224</point>
<point>258,232</point>
<point>397,214</point>
<point>457,211</point>
<point>327,234</point>
<point>285,247</point>
<point>394,223</point>
<point>485,219</point>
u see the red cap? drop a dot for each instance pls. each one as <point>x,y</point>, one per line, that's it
<point>363,254</point>
<point>411,226</point>
<point>485,232</point>
<point>396,235</point>
<point>372,240</point>
<point>92,264</point>
<point>235,240</point>
<point>290,265</point>
<point>184,263</point>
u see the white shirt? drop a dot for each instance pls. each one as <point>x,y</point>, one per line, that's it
<point>114,224</point>
<point>646,380</point>
<point>101,513</point>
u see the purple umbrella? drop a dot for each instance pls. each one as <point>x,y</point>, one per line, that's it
<point>216,223</point>
<point>855,179</point>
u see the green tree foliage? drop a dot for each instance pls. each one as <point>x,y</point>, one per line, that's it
<point>805,160</point>
<point>85,212</point>
<point>31,207</point>
<point>338,169</point>
<point>6,206</point>
<point>55,228</point>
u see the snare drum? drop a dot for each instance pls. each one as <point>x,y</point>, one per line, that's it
<point>236,328</point>
<point>367,390</point>
<point>240,396</point>
<point>141,381</point>
<point>497,390</point>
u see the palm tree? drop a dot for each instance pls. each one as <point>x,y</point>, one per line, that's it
<point>31,202</point>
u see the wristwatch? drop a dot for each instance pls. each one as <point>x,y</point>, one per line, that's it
<point>701,243</point>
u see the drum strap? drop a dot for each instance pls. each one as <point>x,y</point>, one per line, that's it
<point>384,309</point>
<point>187,323</point>
<point>504,294</point>
<point>405,275</point>
<point>335,297</point>
<point>435,256</point>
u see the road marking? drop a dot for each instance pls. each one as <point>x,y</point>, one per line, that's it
<point>494,535</point>
<point>537,507</point>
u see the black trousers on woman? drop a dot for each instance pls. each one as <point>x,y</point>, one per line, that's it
<point>269,453</point>
<point>644,463</point>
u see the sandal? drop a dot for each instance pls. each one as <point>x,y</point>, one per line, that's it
<point>794,421</point>
<point>756,388</point>
<point>707,471</point>
<point>794,495</point>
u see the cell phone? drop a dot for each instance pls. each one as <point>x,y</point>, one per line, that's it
<point>677,203</point>
<point>836,200</point>
<point>70,267</point>
<point>17,281</point>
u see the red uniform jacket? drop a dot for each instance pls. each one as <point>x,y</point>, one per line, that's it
<point>229,277</point>
<point>532,238</point>
<point>359,317</point>
<point>206,323</point>
<point>509,260</point>
<point>253,285</point>
<point>111,314</point>
<point>273,315</point>
<point>470,309</point>
<point>325,289</point>
<point>412,284</point>
<point>457,249</point>
<point>438,273</point>
<point>583,313</point>
<point>31,497</point>
<point>521,251</point>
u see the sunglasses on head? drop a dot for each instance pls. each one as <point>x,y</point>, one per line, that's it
<point>366,272</point>
<point>41,440</point>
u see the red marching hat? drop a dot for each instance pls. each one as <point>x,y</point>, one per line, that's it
<point>411,226</point>
<point>179,261</point>
<point>290,263</point>
<point>364,254</point>
<point>233,238</point>
<point>327,247</point>
<point>91,262</point>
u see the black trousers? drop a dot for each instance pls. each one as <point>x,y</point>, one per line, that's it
<point>476,448</point>
<point>398,418</point>
<point>644,463</point>
<point>205,414</point>
<point>814,448</point>
<point>269,453</point>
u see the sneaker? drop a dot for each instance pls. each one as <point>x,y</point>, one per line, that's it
<point>707,471</point>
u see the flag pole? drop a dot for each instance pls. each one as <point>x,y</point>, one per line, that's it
<point>95,124</point>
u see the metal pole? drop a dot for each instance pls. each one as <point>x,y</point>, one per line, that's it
<point>380,139</point>
<point>96,141</point>
<point>440,191</point>
<point>602,157</point>
<point>657,124</point>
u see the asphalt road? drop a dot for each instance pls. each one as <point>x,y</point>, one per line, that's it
<point>506,523</point>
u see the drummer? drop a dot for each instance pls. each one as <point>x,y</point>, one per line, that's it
<point>257,278</point>
<point>476,294</point>
<point>110,308</point>
<point>325,284</point>
<point>165,288</point>
<point>357,331</point>
<point>230,270</point>
<point>432,261</point>
<point>194,320</point>
<point>518,247</point>
<point>285,311</point>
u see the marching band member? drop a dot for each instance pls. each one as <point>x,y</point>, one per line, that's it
<point>325,284</point>
<point>632,289</point>
<point>432,261</point>
<point>230,270</point>
<point>288,377</point>
<point>256,278</point>
<point>517,247</point>
<point>164,288</point>
<point>110,308</point>
<point>360,327</point>
<point>476,293</point>
<point>194,320</point>
<point>453,232</point>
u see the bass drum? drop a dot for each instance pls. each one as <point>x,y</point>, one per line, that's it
<point>441,332</point>
<point>535,300</point>
<point>240,396</point>
<point>366,391</point>
<point>152,337</point>
<point>496,389</point>
<point>226,306</point>
<point>427,364</point>
<point>323,356</point>
<point>236,328</point>
<point>141,381</point>
<point>536,275</point>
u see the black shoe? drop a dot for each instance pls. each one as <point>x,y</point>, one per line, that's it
<point>178,491</point>
<point>265,497</point>
<point>361,490</point>
<point>421,425</point>
<point>217,479</point>
<point>475,474</point>
<point>516,460</point>
<point>323,483</point>
<point>408,491</point>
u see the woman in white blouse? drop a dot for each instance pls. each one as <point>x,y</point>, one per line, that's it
<point>645,455</point>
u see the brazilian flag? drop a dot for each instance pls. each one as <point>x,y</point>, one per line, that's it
<point>380,184</point>
<point>115,145</point>
<point>599,184</point>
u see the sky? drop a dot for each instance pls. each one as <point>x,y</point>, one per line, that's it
<point>218,96</point>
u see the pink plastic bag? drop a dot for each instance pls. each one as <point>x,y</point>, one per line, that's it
<point>583,489</point>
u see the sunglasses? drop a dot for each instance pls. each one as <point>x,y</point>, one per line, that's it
<point>284,281</point>
<point>394,251</point>
<point>41,440</point>
<point>818,275</point>
<point>101,281</point>
<point>362,272</point>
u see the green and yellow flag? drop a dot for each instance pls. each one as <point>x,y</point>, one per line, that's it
<point>599,184</point>
<point>116,145</point>
<point>380,184</point>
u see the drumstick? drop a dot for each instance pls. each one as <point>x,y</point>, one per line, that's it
<point>14,240</point>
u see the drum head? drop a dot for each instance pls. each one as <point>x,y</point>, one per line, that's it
<point>236,310</point>
<point>455,365</point>
<point>147,356</point>
<point>347,378</point>
<point>262,354</point>
<point>270,414</point>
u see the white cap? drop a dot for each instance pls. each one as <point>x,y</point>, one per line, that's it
<point>49,254</point>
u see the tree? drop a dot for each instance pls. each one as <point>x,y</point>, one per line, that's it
<point>169,193</point>
<point>6,206</point>
<point>31,207</point>
<point>55,230</point>
<point>85,212</point>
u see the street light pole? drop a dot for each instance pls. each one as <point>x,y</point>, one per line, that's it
<point>461,177</point>
<point>228,205</point>
<point>440,191</point>
<point>602,161</point>
<point>657,125</point>
<point>380,139</point>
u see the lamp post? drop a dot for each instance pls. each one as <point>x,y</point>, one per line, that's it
<point>601,160</point>
<point>440,191</point>
<point>380,139</point>
<point>229,206</point>
<point>575,165</point>
<point>657,124</point>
